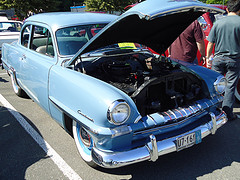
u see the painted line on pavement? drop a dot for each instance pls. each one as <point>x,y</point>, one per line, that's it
<point>62,165</point>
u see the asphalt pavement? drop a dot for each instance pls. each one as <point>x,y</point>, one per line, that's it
<point>43,150</point>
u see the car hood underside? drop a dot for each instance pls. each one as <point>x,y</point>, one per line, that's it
<point>153,23</point>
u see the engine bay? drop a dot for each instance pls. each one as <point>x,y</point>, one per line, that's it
<point>154,84</point>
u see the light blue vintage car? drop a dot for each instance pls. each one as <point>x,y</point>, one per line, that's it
<point>95,76</point>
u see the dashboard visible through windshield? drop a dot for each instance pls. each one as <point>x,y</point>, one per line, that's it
<point>71,39</point>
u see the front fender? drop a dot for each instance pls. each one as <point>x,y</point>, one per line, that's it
<point>85,98</point>
<point>208,75</point>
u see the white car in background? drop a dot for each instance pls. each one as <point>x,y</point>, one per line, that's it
<point>3,18</point>
<point>9,31</point>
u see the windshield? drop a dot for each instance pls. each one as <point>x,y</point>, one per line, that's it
<point>71,39</point>
<point>10,26</point>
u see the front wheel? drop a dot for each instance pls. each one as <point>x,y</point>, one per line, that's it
<point>84,143</point>
<point>237,91</point>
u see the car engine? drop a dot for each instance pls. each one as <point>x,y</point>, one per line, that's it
<point>154,84</point>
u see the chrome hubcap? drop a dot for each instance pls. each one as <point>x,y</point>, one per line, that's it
<point>85,137</point>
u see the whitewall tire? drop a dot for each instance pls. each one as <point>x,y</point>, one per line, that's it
<point>83,142</point>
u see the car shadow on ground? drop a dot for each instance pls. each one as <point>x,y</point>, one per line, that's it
<point>216,152</point>
<point>18,149</point>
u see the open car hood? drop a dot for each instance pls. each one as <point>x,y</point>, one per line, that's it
<point>153,23</point>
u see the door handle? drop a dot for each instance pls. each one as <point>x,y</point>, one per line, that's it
<point>23,57</point>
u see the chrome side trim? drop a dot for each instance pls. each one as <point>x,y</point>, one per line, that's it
<point>112,159</point>
<point>84,115</point>
<point>138,119</point>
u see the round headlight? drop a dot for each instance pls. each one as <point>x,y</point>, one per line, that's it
<point>118,112</point>
<point>220,84</point>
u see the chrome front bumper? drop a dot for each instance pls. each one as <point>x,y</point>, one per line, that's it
<point>154,148</point>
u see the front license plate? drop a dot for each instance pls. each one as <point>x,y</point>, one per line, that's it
<point>188,140</point>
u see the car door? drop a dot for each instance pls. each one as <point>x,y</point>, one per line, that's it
<point>18,52</point>
<point>36,64</point>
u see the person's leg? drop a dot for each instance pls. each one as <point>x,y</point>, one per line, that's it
<point>232,76</point>
<point>219,65</point>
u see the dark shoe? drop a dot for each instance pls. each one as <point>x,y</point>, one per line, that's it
<point>234,117</point>
<point>230,115</point>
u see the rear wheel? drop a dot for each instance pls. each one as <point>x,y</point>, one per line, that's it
<point>84,143</point>
<point>237,91</point>
<point>18,91</point>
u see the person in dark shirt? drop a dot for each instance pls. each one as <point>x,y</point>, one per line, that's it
<point>225,35</point>
<point>186,45</point>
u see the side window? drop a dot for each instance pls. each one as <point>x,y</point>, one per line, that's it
<point>25,36</point>
<point>42,41</point>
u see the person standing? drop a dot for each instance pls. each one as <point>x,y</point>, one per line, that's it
<point>185,47</point>
<point>225,35</point>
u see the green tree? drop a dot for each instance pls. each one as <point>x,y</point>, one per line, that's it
<point>215,1</point>
<point>23,8</point>
<point>107,5</point>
